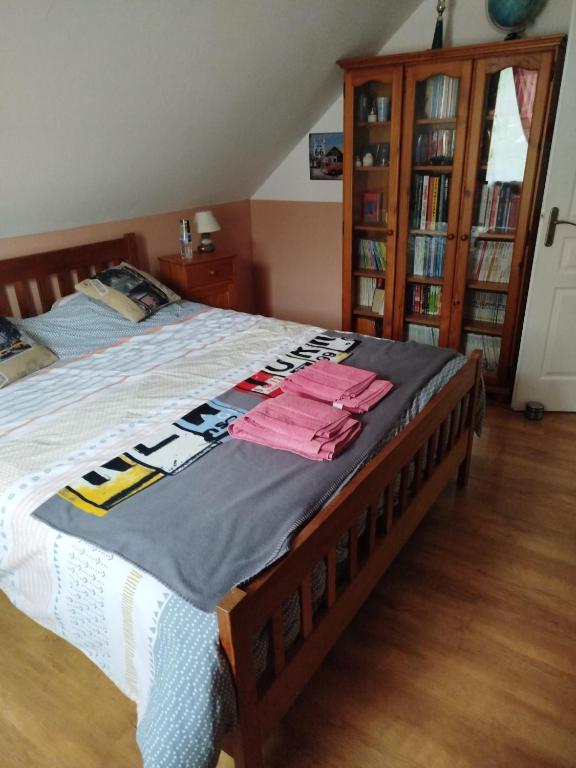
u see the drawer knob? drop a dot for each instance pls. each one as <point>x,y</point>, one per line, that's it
<point>212,272</point>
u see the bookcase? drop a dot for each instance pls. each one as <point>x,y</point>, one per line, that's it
<point>445,156</point>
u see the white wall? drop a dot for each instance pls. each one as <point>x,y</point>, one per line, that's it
<point>112,109</point>
<point>466,22</point>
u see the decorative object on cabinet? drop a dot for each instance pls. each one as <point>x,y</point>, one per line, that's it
<point>438,39</point>
<point>325,156</point>
<point>206,223</point>
<point>455,211</point>
<point>513,16</point>
<point>207,279</point>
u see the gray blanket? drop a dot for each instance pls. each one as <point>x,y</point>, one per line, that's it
<point>231,513</point>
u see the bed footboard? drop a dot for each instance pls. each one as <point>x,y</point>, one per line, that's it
<point>408,474</point>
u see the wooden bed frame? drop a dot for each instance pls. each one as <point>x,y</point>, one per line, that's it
<point>408,473</point>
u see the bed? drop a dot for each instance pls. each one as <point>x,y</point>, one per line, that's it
<point>224,677</point>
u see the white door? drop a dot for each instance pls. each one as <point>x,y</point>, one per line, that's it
<point>547,363</point>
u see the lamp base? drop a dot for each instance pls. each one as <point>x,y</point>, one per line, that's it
<point>206,245</point>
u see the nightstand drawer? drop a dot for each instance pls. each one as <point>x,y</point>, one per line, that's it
<point>199,275</point>
<point>208,279</point>
<point>221,295</point>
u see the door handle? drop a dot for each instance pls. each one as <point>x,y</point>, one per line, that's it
<point>553,221</point>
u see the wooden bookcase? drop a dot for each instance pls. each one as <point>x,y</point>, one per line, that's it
<point>442,193</point>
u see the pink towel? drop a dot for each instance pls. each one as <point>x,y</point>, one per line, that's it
<point>328,381</point>
<point>299,416</point>
<point>306,427</point>
<point>349,388</point>
<point>318,450</point>
<point>367,399</point>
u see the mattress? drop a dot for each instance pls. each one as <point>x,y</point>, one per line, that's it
<point>160,650</point>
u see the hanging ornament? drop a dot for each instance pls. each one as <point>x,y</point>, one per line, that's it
<point>439,29</point>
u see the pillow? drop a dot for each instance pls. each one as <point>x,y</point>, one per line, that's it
<point>64,300</point>
<point>133,293</point>
<point>19,355</point>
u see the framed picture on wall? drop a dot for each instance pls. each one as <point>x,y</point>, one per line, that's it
<point>326,156</point>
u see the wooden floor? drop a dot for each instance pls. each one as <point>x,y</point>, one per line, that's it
<point>464,657</point>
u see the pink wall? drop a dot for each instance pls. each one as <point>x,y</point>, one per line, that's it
<point>289,253</point>
<point>297,260</point>
<point>157,236</point>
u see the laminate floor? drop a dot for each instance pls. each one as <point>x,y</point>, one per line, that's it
<point>464,656</point>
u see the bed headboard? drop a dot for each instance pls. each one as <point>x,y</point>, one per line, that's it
<point>30,285</point>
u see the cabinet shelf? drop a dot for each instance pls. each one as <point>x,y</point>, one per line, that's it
<point>361,311</point>
<point>506,236</point>
<point>425,280</point>
<point>372,124</point>
<point>433,232</point>
<point>371,228</point>
<point>371,168</point>
<point>376,273</point>
<point>432,320</point>
<point>488,329</point>
<point>435,121</point>
<point>481,285</point>
<point>432,168</point>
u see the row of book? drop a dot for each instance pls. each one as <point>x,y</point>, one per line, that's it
<point>371,254</point>
<point>422,334</point>
<point>426,255</point>
<point>499,206</point>
<point>429,208</point>
<point>490,346</point>
<point>485,307</point>
<point>441,97</point>
<point>490,260</point>
<point>434,147</point>
<point>424,299</point>
<point>365,287</point>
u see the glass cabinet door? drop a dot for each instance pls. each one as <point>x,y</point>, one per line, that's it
<point>432,165</point>
<point>371,174</point>
<point>495,211</point>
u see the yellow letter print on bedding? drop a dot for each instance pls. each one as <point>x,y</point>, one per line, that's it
<point>98,491</point>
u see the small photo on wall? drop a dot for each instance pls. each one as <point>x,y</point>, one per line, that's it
<point>326,156</point>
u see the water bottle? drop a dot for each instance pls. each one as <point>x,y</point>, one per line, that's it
<point>185,240</point>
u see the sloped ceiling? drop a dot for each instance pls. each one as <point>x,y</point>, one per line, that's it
<point>117,108</point>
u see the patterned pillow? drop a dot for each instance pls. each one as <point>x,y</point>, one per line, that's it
<point>19,355</point>
<point>133,293</point>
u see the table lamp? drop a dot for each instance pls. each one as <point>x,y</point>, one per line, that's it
<point>206,223</point>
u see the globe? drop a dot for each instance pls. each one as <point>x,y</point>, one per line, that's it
<point>513,15</point>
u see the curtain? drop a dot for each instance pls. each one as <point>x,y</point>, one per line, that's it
<point>525,82</point>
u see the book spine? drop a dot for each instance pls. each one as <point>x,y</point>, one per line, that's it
<point>424,203</point>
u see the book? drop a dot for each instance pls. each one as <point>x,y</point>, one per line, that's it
<point>424,202</point>
<point>371,207</point>
<point>378,301</point>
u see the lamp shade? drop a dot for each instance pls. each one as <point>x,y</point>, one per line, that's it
<point>206,222</point>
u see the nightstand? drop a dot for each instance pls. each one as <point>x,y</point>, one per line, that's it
<point>208,279</point>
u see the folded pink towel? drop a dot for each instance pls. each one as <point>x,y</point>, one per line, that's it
<point>307,427</point>
<point>299,416</point>
<point>367,399</point>
<point>349,388</point>
<point>328,381</point>
<point>318,450</point>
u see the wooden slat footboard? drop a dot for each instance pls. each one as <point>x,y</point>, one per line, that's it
<point>376,513</point>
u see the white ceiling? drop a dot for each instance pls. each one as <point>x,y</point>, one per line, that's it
<point>117,108</point>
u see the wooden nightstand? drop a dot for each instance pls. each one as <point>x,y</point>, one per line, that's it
<point>207,279</point>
